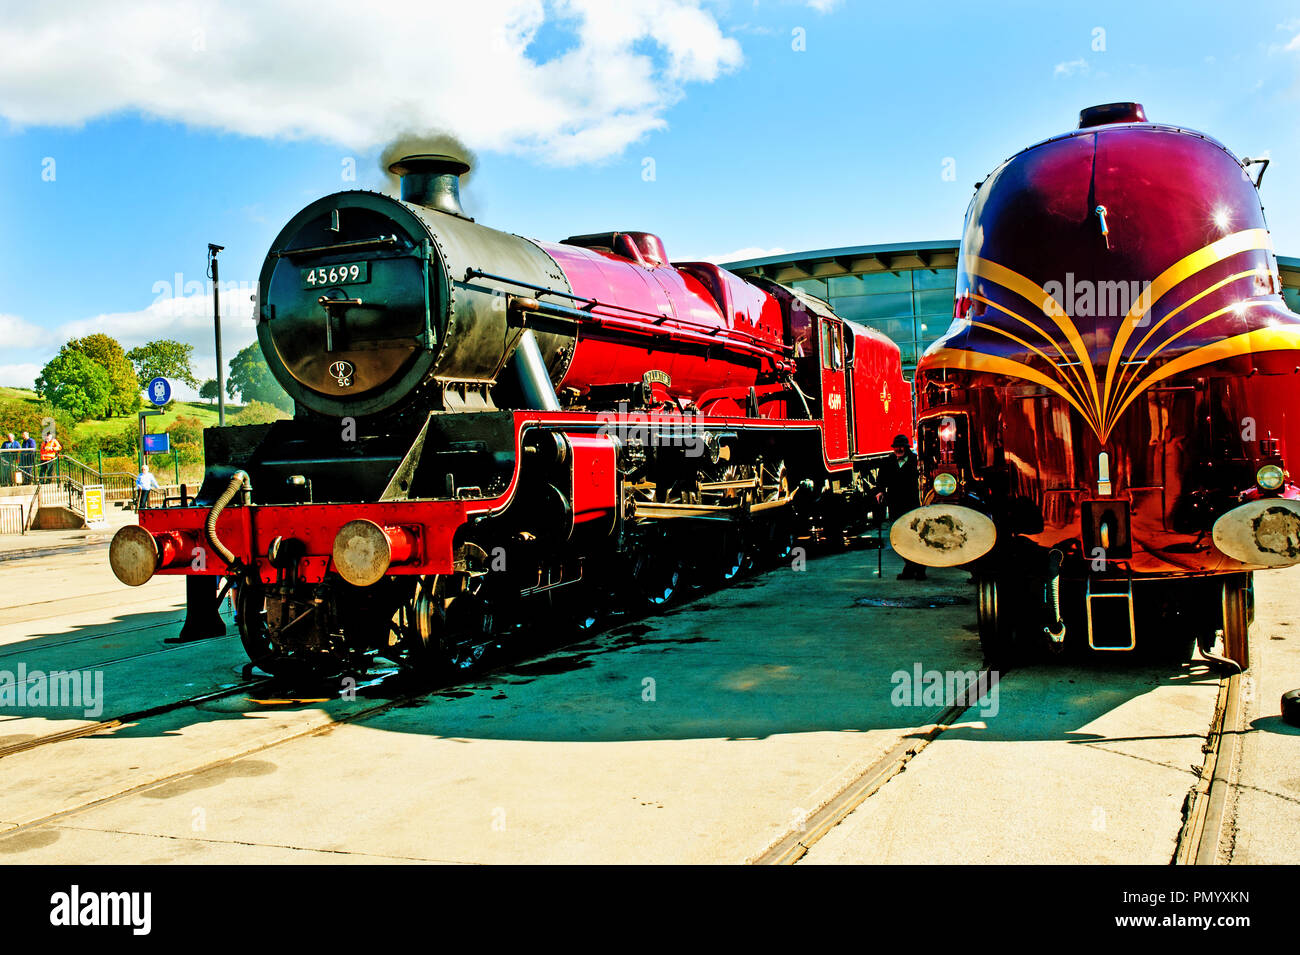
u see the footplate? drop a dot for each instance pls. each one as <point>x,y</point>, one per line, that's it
<point>1109,603</point>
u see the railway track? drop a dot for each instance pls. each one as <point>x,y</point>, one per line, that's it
<point>1207,816</point>
<point>792,847</point>
<point>92,728</point>
<point>21,648</point>
<point>1208,820</point>
<point>226,760</point>
<point>133,716</point>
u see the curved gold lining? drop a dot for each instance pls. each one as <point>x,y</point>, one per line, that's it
<point>1101,407</point>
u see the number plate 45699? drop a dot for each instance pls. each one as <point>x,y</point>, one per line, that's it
<point>346,273</point>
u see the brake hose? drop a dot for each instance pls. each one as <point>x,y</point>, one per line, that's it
<point>237,481</point>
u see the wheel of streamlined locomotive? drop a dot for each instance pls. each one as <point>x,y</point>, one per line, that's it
<point>780,536</point>
<point>413,643</point>
<point>1238,601</point>
<point>997,621</point>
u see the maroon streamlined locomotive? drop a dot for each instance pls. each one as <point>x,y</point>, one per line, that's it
<point>1105,428</point>
<point>490,428</point>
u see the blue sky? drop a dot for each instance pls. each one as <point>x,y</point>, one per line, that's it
<point>170,125</point>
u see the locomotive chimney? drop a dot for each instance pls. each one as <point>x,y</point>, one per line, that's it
<point>432,181</point>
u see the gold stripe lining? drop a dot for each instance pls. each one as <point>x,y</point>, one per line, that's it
<point>1119,382</point>
<point>1188,265</point>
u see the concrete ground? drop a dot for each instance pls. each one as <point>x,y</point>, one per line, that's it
<point>35,542</point>
<point>1266,807</point>
<point>702,735</point>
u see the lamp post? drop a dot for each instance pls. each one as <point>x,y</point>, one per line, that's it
<point>214,274</point>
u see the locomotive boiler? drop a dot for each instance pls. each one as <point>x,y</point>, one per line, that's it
<point>1106,428</point>
<point>491,429</point>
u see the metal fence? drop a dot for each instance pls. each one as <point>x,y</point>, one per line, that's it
<point>13,519</point>
<point>61,482</point>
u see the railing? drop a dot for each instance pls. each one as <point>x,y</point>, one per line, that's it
<point>164,495</point>
<point>67,467</point>
<point>13,519</point>
<point>62,482</point>
<point>118,485</point>
<point>76,494</point>
<point>18,466</point>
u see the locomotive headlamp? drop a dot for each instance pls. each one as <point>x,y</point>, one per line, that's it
<point>944,483</point>
<point>1270,477</point>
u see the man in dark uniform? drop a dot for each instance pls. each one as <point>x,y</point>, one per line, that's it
<point>28,456</point>
<point>8,459</point>
<point>900,492</point>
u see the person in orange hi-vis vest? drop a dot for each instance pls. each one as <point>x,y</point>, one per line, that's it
<point>50,449</point>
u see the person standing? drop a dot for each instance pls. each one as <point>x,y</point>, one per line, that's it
<point>8,459</point>
<point>27,457</point>
<point>901,493</point>
<point>145,483</point>
<point>50,451</point>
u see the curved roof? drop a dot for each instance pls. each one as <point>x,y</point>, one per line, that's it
<point>882,257</point>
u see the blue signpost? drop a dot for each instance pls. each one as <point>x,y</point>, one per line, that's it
<point>158,391</point>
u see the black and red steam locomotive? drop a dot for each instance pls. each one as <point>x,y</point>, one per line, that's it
<point>489,428</point>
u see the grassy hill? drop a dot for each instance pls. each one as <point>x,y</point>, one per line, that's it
<point>18,394</point>
<point>206,413</point>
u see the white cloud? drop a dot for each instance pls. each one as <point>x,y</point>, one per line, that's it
<point>17,333</point>
<point>19,376</point>
<point>356,75</point>
<point>186,319</point>
<point>741,255</point>
<point>823,6</point>
<point>1070,68</point>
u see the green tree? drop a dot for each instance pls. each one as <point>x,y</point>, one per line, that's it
<point>124,386</point>
<point>75,383</point>
<point>164,358</point>
<point>18,415</point>
<point>210,390</point>
<point>251,379</point>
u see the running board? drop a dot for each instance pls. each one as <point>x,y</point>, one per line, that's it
<point>656,511</point>
<point>1114,614</point>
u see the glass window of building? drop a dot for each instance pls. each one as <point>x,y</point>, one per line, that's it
<point>912,305</point>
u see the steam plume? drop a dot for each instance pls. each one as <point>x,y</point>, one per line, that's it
<point>411,143</point>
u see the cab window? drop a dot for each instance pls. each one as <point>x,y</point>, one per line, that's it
<point>832,352</point>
